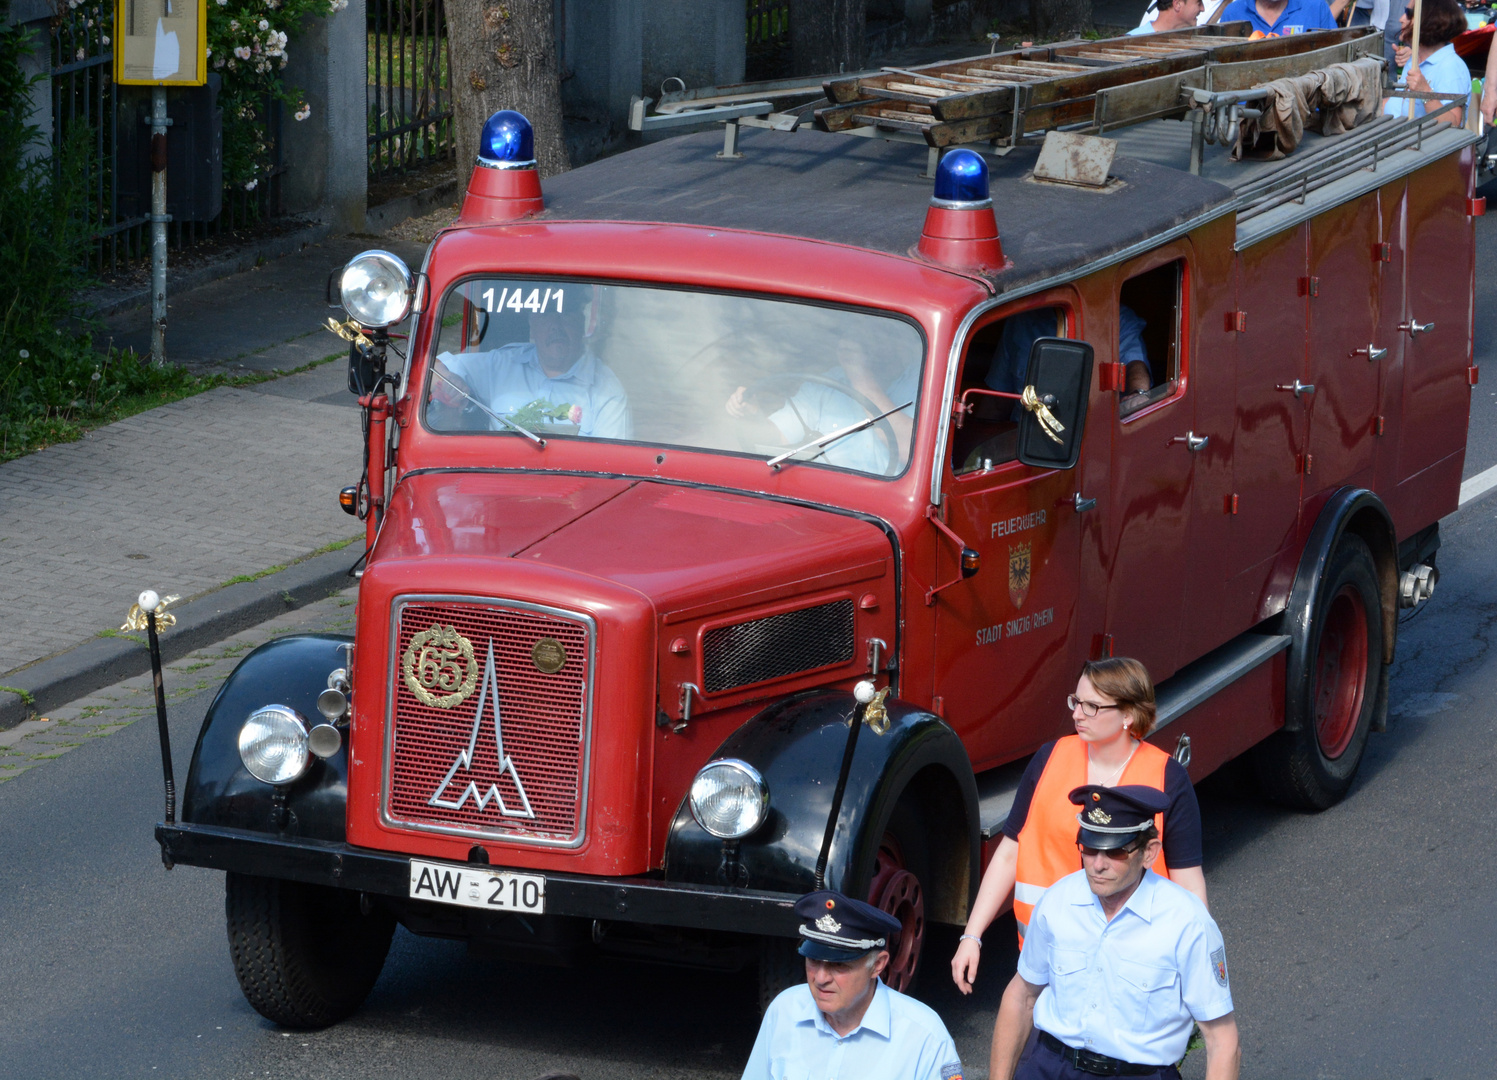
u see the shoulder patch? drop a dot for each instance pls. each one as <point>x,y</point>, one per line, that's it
<point>952,1070</point>
<point>1219,965</point>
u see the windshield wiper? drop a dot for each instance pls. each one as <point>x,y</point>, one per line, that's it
<point>532,436</point>
<point>826,440</point>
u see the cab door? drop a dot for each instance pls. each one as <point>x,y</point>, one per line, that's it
<point>1006,650</point>
<point>1154,451</point>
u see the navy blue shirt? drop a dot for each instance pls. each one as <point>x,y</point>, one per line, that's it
<point>1182,821</point>
<point>1298,16</point>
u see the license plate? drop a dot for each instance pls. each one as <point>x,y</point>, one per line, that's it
<point>478,886</point>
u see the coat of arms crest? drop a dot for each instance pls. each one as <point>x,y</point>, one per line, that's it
<point>1018,574</point>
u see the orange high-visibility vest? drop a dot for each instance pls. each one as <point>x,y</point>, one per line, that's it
<point>1047,842</point>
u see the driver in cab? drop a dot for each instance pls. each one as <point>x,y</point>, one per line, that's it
<point>863,383</point>
<point>554,378</point>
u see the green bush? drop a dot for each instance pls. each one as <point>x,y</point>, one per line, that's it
<point>53,383</point>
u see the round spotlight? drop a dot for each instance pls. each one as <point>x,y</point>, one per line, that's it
<point>273,745</point>
<point>962,180</point>
<point>332,703</point>
<point>729,798</point>
<point>507,142</point>
<point>376,288</point>
<point>324,740</point>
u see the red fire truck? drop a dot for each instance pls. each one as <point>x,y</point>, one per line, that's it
<point>707,456</point>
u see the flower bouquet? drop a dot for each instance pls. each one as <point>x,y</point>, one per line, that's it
<point>541,414</point>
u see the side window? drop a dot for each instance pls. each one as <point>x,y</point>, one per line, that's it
<point>997,359</point>
<point>1149,336</point>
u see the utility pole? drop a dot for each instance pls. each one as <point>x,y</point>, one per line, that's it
<point>159,217</point>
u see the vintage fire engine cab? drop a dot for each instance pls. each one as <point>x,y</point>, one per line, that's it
<point>697,463</point>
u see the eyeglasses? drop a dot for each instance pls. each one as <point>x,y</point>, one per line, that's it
<point>1088,708</point>
<point>1112,854</point>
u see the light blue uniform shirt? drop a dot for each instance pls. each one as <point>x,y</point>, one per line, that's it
<point>1128,988</point>
<point>821,408</point>
<point>899,1039</point>
<point>1445,72</point>
<point>1298,16</point>
<point>511,377</point>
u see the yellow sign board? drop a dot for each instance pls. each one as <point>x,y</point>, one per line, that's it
<point>161,42</point>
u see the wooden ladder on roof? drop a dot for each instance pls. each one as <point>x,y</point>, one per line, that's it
<point>1088,87</point>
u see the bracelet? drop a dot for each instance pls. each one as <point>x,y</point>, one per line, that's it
<point>971,937</point>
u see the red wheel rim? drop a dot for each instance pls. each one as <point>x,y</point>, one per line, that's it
<point>1341,672</point>
<point>897,891</point>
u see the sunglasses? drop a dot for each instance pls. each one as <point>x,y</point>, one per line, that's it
<point>1408,13</point>
<point>1112,854</point>
<point>1088,708</point>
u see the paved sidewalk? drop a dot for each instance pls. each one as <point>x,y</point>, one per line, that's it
<point>188,496</point>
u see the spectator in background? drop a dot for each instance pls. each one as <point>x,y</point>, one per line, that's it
<point>1166,15</point>
<point>1284,17</point>
<point>1439,69</point>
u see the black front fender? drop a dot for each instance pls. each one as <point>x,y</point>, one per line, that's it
<point>289,671</point>
<point>797,745</point>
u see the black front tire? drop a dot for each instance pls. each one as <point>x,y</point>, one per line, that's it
<point>306,956</point>
<point>781,966</point>
<point>1331,710</point>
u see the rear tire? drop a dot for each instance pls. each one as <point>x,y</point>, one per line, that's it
<point>306,956</point>
<point>1312,768</point>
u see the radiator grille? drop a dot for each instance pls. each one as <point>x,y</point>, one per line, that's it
<point>777,646</point>
<point>542,719</point>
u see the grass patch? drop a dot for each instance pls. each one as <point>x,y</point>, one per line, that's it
<point>187,669</point>
<point>336,545</point>
<point>240,579</point>
<point>22,694</point>
<point>231,651</point>
<point>121,385</point>
<point>110,631</point>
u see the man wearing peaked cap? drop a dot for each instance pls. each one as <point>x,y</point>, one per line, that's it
<point>844,1022</point>
<point>1118,961</point>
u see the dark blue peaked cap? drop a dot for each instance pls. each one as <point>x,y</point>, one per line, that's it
<point>1112,817</point>
<point>838,928</point>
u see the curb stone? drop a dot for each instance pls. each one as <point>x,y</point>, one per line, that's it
<point>211,617</point>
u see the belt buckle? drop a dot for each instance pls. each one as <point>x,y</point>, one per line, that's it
<point>1096,1064</point>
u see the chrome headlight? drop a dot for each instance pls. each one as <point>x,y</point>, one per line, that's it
<point>729,798</point>
<point>376,288</point>
<point>273,745</point>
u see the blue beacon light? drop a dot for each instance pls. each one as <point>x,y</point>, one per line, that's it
<point>508,142</point>
<point>962,179</point>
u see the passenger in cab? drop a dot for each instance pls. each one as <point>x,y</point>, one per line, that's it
<point>553,379</point>
<point>1113,711</point>
<point>1138,375</point>
<point>865,382</point>
<point>1440,69</point>
<point>1171,15</point>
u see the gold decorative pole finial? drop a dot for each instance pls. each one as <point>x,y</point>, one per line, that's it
<point>150,603</point>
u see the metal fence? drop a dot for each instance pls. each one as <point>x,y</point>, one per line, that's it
<point>768,55</point>
<point>410,100</point>
<point>87,105</point>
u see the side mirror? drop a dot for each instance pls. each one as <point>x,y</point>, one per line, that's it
<point>1060,370</point>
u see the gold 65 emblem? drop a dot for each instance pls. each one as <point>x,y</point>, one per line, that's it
<point>439,668</point>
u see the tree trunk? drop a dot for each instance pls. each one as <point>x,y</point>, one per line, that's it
<point>1060,18</point>
<point>504,57</point>
<point>826,36</point>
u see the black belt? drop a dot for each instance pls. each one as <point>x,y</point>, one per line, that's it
<point>1096,1064</point>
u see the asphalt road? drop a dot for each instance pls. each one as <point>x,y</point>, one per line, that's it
<point>1360,940</point>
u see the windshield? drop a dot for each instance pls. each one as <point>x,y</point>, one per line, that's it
<point>749,375</point>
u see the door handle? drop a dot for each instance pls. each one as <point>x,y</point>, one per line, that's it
<point>1192,441</point>
<point>1298,388</point>
<point>1082,505</point>
<point>1414,327</point>
<point>1372,352</point>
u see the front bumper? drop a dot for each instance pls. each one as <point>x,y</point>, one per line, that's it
<point>625,899</point>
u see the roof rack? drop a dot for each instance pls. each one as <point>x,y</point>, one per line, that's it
<point>1000,98</point>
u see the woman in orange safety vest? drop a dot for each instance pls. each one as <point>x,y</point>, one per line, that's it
<point>1113,710</point>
